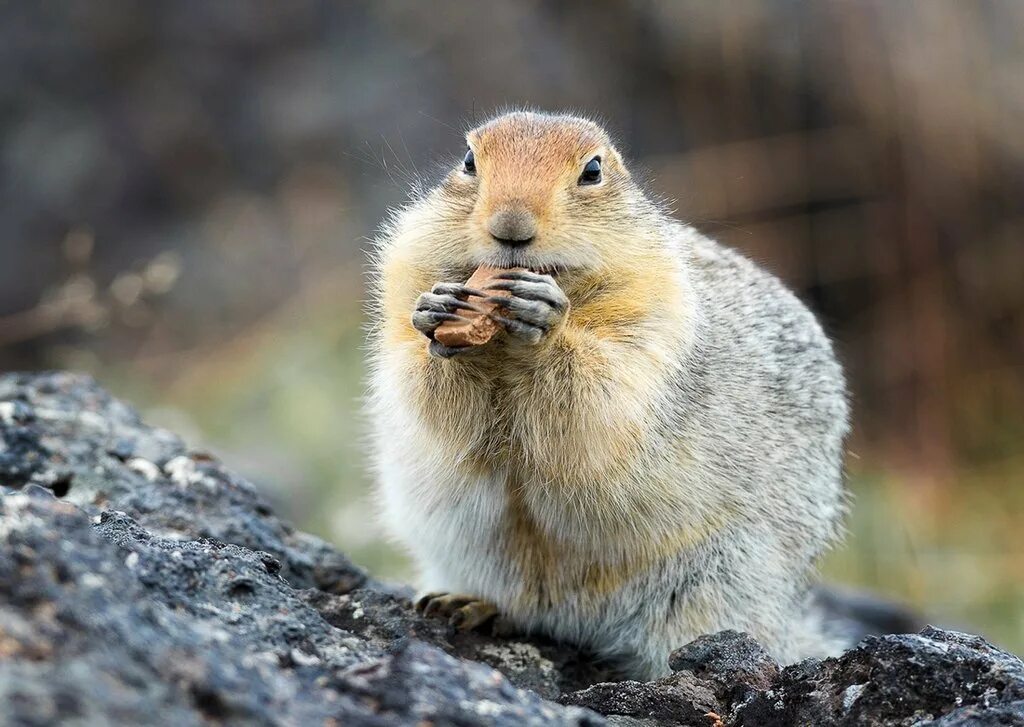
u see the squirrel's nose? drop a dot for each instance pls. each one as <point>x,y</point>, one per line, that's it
<point>514,228</point>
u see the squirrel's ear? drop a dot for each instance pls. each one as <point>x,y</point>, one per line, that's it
<point>616,159</point>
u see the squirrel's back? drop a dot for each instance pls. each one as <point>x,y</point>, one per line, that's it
<point>763,393</point>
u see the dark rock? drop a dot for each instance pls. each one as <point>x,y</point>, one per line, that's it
<point>164,591</point>
<point>141,583</point>
<point>384,617</point>
<point>1005,715</point>
<point>899,679</point>
<point>419,684</point>
<point>727,659</point>
<point>669,701</point>
<point>66,434</point>
<point>85,635</point>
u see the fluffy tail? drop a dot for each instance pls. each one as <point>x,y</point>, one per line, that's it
<point>856,614</point>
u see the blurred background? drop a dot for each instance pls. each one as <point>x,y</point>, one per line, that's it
<point>188,190</point>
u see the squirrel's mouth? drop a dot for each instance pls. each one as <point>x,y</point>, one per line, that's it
<point>515,260</point>
<point>552,269</point>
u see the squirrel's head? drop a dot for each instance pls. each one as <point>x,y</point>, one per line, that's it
<point>546,192</point>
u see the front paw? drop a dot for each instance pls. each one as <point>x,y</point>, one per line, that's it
<point>443,303</point>
<point>534,308</point>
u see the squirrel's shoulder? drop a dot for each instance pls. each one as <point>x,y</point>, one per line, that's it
<point>712,263</point>
<point>750,321</point>
<point>731,285</point>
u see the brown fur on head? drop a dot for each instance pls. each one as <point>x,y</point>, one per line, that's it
<point>525,203</point>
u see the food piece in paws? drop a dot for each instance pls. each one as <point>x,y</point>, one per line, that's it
<point>480,327</point>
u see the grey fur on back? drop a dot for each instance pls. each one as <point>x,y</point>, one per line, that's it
<point>763,400</point>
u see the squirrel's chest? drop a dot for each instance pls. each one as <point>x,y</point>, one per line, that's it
<point>486,422</point>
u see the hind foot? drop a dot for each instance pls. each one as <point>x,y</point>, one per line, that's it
<point>463,612</point>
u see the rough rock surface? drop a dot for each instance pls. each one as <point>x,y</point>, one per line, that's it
<point>141,583</point>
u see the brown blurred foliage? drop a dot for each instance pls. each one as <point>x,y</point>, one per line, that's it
<point>871,153</point>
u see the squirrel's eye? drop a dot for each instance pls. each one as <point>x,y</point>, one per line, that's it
<point>469,163</point>
<point>591,172</point>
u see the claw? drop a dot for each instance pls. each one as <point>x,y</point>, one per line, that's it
<point>439,349</point>
<point>445,605</point>
<point>529,291</point>
<point>448,316</point>
<point>501,285</point>
<point>424,600</point>
<point>463,612</point>
<point>456,289</point>
<point>517,328</point>
<point>472,615</point>
<point>443,305</point>
<point>425,321</point>
<point>518,306</point>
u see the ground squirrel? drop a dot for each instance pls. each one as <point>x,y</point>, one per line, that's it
<point>651,449</point>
